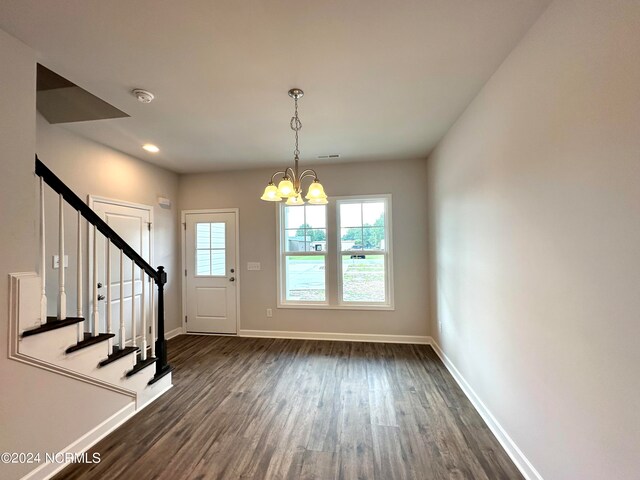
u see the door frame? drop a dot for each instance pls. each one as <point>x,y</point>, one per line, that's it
<point>183,241</point>
<point>91,200</point>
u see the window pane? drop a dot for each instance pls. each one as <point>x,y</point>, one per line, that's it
<point>350,214</point>
<point>316,216</point>
<point>316,240</point>
<point>203,235</point>
<point>293,217</point>
<point>373,238</point>
<point>218,235</point>
<point>373,214</point>
<point>294,240</point>
<point>218,262</point>
<point>203,262</point>
<point>363,278</point>
<point>351,239</point>
<point>305,278</point>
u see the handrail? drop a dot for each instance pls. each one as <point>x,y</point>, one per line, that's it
<point>92,217</point>
<point>159,276</point>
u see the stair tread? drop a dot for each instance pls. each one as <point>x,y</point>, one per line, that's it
<point>52,324</point>
<point>141,364</point>
<point>117,354</point>
<point>88,341</point>
<point>167,369</point>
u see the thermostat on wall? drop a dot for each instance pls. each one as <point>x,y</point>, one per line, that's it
<point>164,202</point>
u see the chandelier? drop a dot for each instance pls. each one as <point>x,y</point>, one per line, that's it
<point>290,187</point>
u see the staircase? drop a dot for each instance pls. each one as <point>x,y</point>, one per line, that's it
<point>126,350</point>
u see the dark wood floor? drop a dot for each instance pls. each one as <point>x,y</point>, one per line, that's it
<point>289,409</point>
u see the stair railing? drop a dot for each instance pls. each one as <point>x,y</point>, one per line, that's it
<point>148,275</point>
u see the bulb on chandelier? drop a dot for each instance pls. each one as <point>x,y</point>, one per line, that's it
<point>297,200</point>
<point>270,193</point>
<point>285,188</point>
<point>316,191</point>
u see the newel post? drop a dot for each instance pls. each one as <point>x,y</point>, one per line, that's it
<point>162,367</point>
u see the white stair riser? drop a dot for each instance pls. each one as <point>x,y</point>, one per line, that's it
<point>51,347</point>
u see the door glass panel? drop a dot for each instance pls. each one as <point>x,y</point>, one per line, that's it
<point>210,249</point>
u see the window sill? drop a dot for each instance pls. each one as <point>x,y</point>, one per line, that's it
<point>302,306</point>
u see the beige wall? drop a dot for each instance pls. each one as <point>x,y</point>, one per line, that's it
<point>404,180</point>
<point>89,168</point>
<point>535,212</point>
<point>39,411</point>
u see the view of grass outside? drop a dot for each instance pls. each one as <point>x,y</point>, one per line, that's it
<point>305,278</point>
<point>363,278</point>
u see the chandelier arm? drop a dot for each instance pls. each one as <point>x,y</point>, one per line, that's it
<point>277,173</point>
<point>309,172</point>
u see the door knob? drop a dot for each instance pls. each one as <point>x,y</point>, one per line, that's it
<point>232,279</point>
<point>101,297</point>
<point>99,285</point>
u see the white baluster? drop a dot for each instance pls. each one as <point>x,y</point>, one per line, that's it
<point>96,313</point>
<point>143,307</point>
<point>62,296</point>
<point>122,329</point>
<point>43,259</point>
<point>152,293</point>
<point>134,343</point>
<point>79,279</point>
<point>108,286</point>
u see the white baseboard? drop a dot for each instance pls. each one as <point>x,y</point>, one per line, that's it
<point>85,442</point>
<point>516,455</point>
<point>173,333</point>
<point>340,337</point>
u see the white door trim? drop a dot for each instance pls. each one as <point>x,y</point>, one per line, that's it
<point>183,221</point>
<point>92,199</point>
<point>96,198</point>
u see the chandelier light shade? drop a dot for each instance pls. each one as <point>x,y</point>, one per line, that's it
<point>290,185</point>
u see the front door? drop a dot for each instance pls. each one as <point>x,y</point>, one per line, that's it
<point>133,224</point>
<point>210,255</point>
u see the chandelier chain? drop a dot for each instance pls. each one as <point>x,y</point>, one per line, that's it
<point>296,125</point>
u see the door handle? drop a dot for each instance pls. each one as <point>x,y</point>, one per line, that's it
<point>99,285</point>
<point>232,279</point>
<point>101,297</point>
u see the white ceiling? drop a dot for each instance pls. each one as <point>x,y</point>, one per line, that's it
<point>383,79</point>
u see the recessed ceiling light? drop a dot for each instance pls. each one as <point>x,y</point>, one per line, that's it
<point>149,147</point>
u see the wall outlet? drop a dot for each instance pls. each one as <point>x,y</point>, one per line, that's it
<point>55,264</point>
<point>253,266</point>
<point>269,313</point>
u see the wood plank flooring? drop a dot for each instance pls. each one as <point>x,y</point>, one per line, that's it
<point>245,408</point>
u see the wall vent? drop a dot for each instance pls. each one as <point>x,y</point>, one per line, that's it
<point>333,155</point>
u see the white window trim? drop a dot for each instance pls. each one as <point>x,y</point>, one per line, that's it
<point>282,256</point>
<point>332,254</point>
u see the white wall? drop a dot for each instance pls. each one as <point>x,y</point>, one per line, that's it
<point>405,180</point>
<point>89,168</point>
<point>535,213</point>
<point>39,411</point>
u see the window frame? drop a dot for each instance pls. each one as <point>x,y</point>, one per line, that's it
<point>282,259</point>
<point>387,252</point>
<point>333,258</point>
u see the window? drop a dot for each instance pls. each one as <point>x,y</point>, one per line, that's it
<point>336,255</point>
<point>210,249</point>
<point>304,247</point>
<point>363,259</point>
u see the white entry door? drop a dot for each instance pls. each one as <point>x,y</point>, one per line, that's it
<point>133,224</point>
<point>211,275</point>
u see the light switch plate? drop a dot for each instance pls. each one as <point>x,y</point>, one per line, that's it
<point>55,263</point>
<point>253,266</point>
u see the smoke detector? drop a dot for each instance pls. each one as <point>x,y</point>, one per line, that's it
<point>143,96</point>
